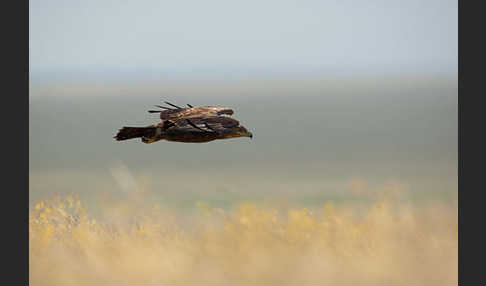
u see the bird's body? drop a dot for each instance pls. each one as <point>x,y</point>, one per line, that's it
<point>189,125</point>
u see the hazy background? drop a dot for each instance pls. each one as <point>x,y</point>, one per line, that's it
<point>199,38</point>
<point>343,97</point>
<point>350,178</point>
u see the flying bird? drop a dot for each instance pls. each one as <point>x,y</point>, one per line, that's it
<point>189,125</point>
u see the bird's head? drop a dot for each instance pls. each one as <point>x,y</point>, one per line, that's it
<point>243,132</point>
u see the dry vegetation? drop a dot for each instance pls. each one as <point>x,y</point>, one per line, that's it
<point>140,244</point>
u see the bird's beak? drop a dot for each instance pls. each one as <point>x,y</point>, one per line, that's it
<point>250,134</point>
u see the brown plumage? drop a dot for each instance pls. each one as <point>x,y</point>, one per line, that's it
<point>190,112</point>
<point>190,125</point>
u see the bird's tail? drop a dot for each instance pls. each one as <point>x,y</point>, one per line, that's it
<point>126,133</point>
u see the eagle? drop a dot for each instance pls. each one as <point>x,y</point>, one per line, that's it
<point>191,124</point>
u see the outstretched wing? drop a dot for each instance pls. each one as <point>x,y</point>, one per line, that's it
<point>202,125</point>
<point>177,112</point>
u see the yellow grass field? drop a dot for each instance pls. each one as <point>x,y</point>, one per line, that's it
<point>138,243</point>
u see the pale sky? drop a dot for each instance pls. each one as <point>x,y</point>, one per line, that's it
<point>251,36</point>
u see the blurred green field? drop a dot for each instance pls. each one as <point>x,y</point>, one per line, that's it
<point>344,183</point>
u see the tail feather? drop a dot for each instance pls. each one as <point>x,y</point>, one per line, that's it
<point>126,133</point>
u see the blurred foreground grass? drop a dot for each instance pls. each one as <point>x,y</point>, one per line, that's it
<point>138,243</point>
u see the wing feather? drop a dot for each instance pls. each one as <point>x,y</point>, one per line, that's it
<point>199,125</point>
<point>191,112</point>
